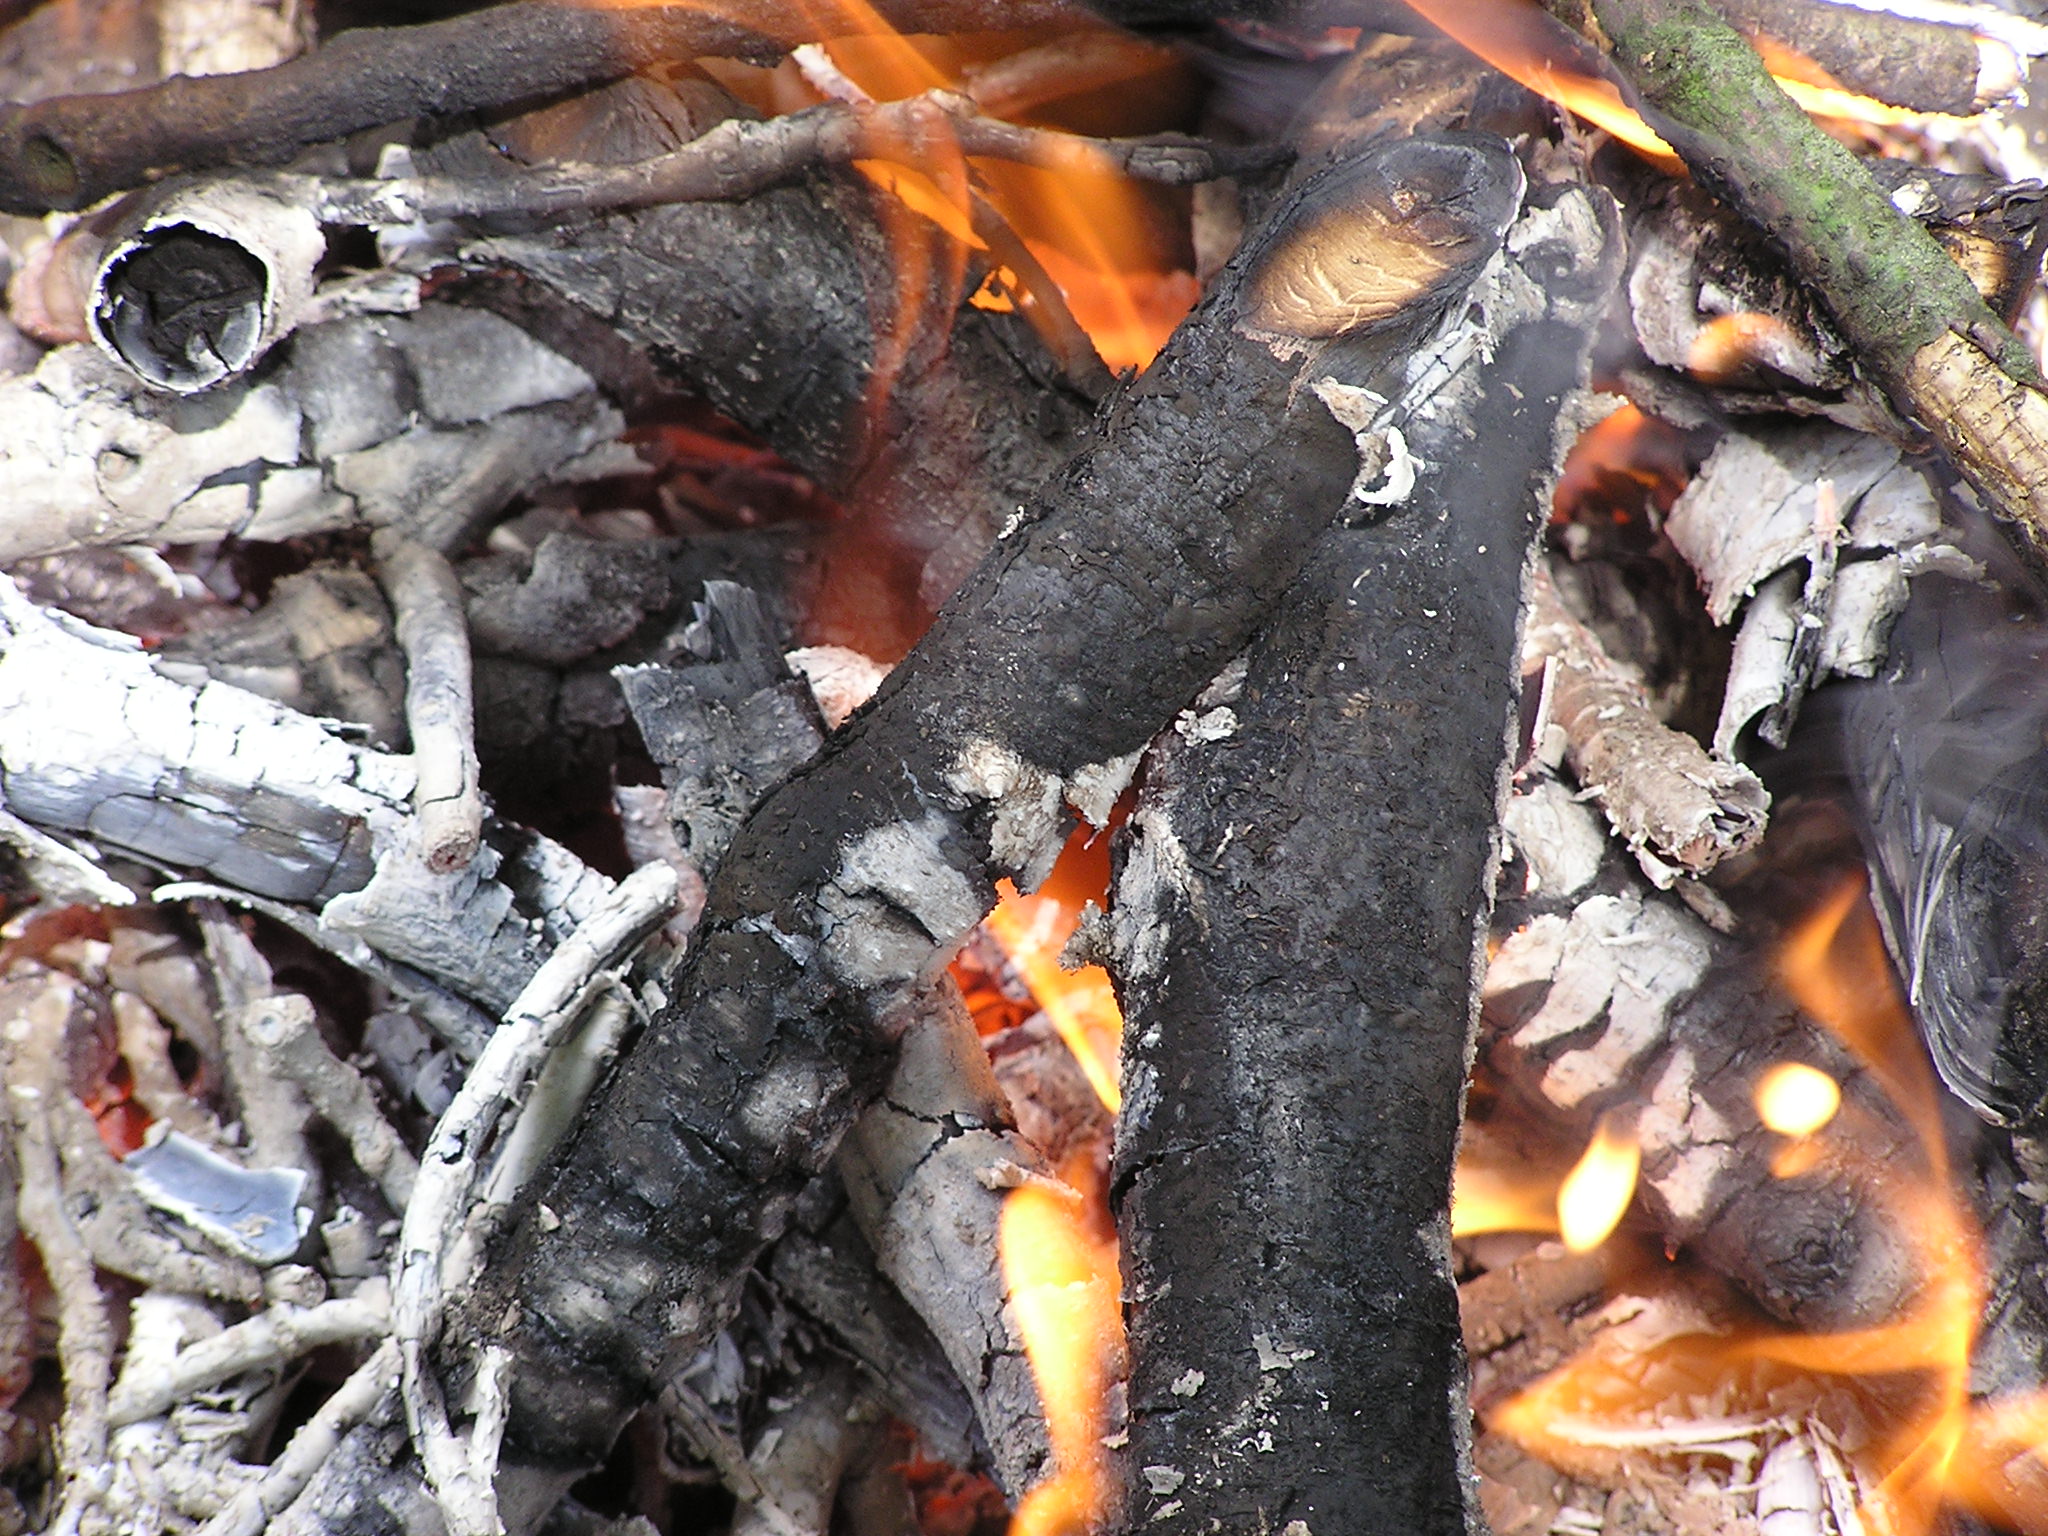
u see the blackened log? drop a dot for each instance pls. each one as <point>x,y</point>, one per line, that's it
<point>1144,566</point>
<point>1298,924</point>
<point>1603,998</point>
<point>1942,753</point>
<point>69,152</point>
<point>772,310</point>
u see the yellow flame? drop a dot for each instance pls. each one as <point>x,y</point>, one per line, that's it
<point>1595,1195</point>
<point>1064,1287</point>
<point>1081,1004</point>
<point>1525,43</point>
<point>1488,1199</point>
<point>1794,1099</point>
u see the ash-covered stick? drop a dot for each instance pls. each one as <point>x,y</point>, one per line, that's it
<point>69,152</point>
<point>271,1338</point>
<point>311,1449</point>
<point>428,422</point>
<point>798,1476</point>
<point>440,701</point>
<point>1296,923</point>
<point>1606,997</point>
<point>94,740</point>
<point>1679,811</point>
<point>739,158</point>
<point>1140,570</point>
<point>288,1044</point>
<point>430,1265</point>
<point>36,1075</point>
<point>926,1171</point>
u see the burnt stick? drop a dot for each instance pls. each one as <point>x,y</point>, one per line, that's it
<point>71,151</point>
<point>1297,923</point>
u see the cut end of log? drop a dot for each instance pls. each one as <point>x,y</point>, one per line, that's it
<point>202,283</point>
<point>1395,229</point>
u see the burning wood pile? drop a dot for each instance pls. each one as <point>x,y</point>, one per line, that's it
<point>761,771</point>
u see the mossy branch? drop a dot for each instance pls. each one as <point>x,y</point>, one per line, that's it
<point>1920,330</point>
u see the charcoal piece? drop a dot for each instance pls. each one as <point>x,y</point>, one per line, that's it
<point>727,727</point>
<point>579,596</point>
<point>1944,758</point>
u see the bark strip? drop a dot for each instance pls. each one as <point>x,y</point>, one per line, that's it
<point>1144,567</point>
<point>1297,926</point>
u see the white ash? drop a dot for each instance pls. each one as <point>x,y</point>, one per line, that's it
<point>1557,835</point>
<point>90,455</point>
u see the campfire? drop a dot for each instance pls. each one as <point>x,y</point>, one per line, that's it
<point>956,767</point>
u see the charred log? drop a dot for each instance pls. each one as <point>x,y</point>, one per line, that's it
<point>1291,1108</point>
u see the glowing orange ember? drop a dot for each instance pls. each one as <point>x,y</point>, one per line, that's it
<point>1064,1287</point>
<point>1728,345</point>
<point>1595,1195</point>
<point>1794,1099</point>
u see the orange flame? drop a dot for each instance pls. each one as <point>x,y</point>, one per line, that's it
<point>1034,929</point>
<point>1932,1445</point>
<point>1595,1195</point>
<point>1064,1285</point>
<point>1090,228</point>
<point>1525,43</point>
<point>1489,1199</point>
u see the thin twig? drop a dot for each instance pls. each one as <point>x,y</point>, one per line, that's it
<point>544,1013</point>
<point>85,1332</point>
<point>738,158</point>
<point>458,1023</point>
<point>289,1040</point>
<point>270,1338</point>
<point>251,1511</point>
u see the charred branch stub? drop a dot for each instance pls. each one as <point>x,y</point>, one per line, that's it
<point>1291,1109</point>
<point>1126,588</point>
